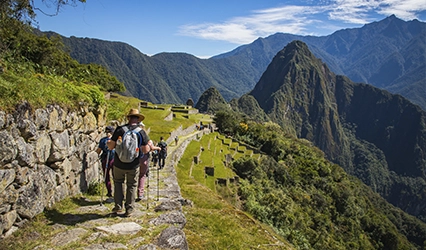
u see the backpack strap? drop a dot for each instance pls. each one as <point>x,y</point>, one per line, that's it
<point>137,130</point>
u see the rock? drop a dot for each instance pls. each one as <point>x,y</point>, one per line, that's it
<point>67,237</point>
<point>106,246</point>
<point>172,218</point>
<point>172,238</point>
<point>121,228</point>
<point>168,205</point>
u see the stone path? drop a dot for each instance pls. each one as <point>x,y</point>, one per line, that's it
<point>163,207</point>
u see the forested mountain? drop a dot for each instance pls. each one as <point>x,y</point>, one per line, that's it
<point>374,135</point>
<point>389,54</point>
<point>165,77</point>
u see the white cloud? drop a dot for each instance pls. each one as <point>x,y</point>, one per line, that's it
<point>406,10</point>
<point>361,11</point>
<point>296,19</point>
<point>239,30</point>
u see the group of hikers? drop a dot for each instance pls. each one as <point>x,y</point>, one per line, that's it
<point>126,152</point>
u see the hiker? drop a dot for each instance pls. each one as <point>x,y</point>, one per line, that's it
<point>144,167</point>
<point>129,141</point>
<point>162,153</point>
<point>176,140</point>
<point>106,164</point>
<point>155,157</point>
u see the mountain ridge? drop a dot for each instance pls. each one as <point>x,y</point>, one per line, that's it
<point>365,54</point>
<point>374,135</point>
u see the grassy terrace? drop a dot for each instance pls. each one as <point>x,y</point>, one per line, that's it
<point>212,151</point>
<point>214,222</point>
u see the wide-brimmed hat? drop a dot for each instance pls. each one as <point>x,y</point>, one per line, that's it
<point>135,112</point>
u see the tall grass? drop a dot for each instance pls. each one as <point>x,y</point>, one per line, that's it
<point>23,84</point>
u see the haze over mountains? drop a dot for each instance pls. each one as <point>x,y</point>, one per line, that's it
<point>389,54</point>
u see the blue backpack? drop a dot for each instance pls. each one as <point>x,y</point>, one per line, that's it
<point>128,147</point>
<point>104,147</point>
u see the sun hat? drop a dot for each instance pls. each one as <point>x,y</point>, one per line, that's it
<point>135,112</point>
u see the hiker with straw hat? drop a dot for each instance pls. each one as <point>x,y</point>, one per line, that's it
<point>129,141</point>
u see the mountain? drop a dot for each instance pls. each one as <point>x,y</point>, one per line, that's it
<point>165,77</point>
<point>389,54</point>
<point>249,106</point>
<point>211,101</point>
<point>374,135</point>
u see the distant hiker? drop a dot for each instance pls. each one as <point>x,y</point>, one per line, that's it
<point>106,163</point>
<point>129,141</point>
<point>154,155</point>
<point>176,140</point>
<point>144,167</point>
<point>163,153</point>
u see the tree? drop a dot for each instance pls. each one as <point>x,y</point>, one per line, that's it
<point>227,122</point>
<point>25,10</point>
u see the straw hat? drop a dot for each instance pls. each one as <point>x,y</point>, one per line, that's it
<point>135,112</point>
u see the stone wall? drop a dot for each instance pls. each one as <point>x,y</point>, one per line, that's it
<point>179,132</point>
<point>46,155</point>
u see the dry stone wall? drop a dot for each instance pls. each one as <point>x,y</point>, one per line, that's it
<point>46,155</point>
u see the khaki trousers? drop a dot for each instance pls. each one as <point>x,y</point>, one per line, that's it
<point>131,178</point>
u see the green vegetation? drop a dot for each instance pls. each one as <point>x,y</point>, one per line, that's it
<point>37,70</point>
<point>310,201</point>
<point>213,223</point>
<point>297,194</point>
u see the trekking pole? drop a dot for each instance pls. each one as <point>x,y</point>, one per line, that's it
<point>158,183</point>
<point>100,178</point>
<point>104,179</point>
<point>147,187</point>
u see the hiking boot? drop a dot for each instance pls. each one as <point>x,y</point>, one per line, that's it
<point>141,197</point>
<point>117,209</point>
<point>128,213</point>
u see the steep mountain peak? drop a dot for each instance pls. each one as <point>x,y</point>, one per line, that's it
<point>362,128</point>
<point>210,101</point>
<point>293,72</point>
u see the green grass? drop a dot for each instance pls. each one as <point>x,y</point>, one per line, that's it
<point>40,90</point>
<point>119,106</point>
<point>213,223</point>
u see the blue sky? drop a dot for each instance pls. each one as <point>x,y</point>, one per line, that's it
<point>208,28</point>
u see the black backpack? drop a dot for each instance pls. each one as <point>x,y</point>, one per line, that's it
<point>163,147</point>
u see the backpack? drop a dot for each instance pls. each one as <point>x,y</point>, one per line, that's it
<point>163,147</point>
<point>128,148</point>
<point>105,150</point>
